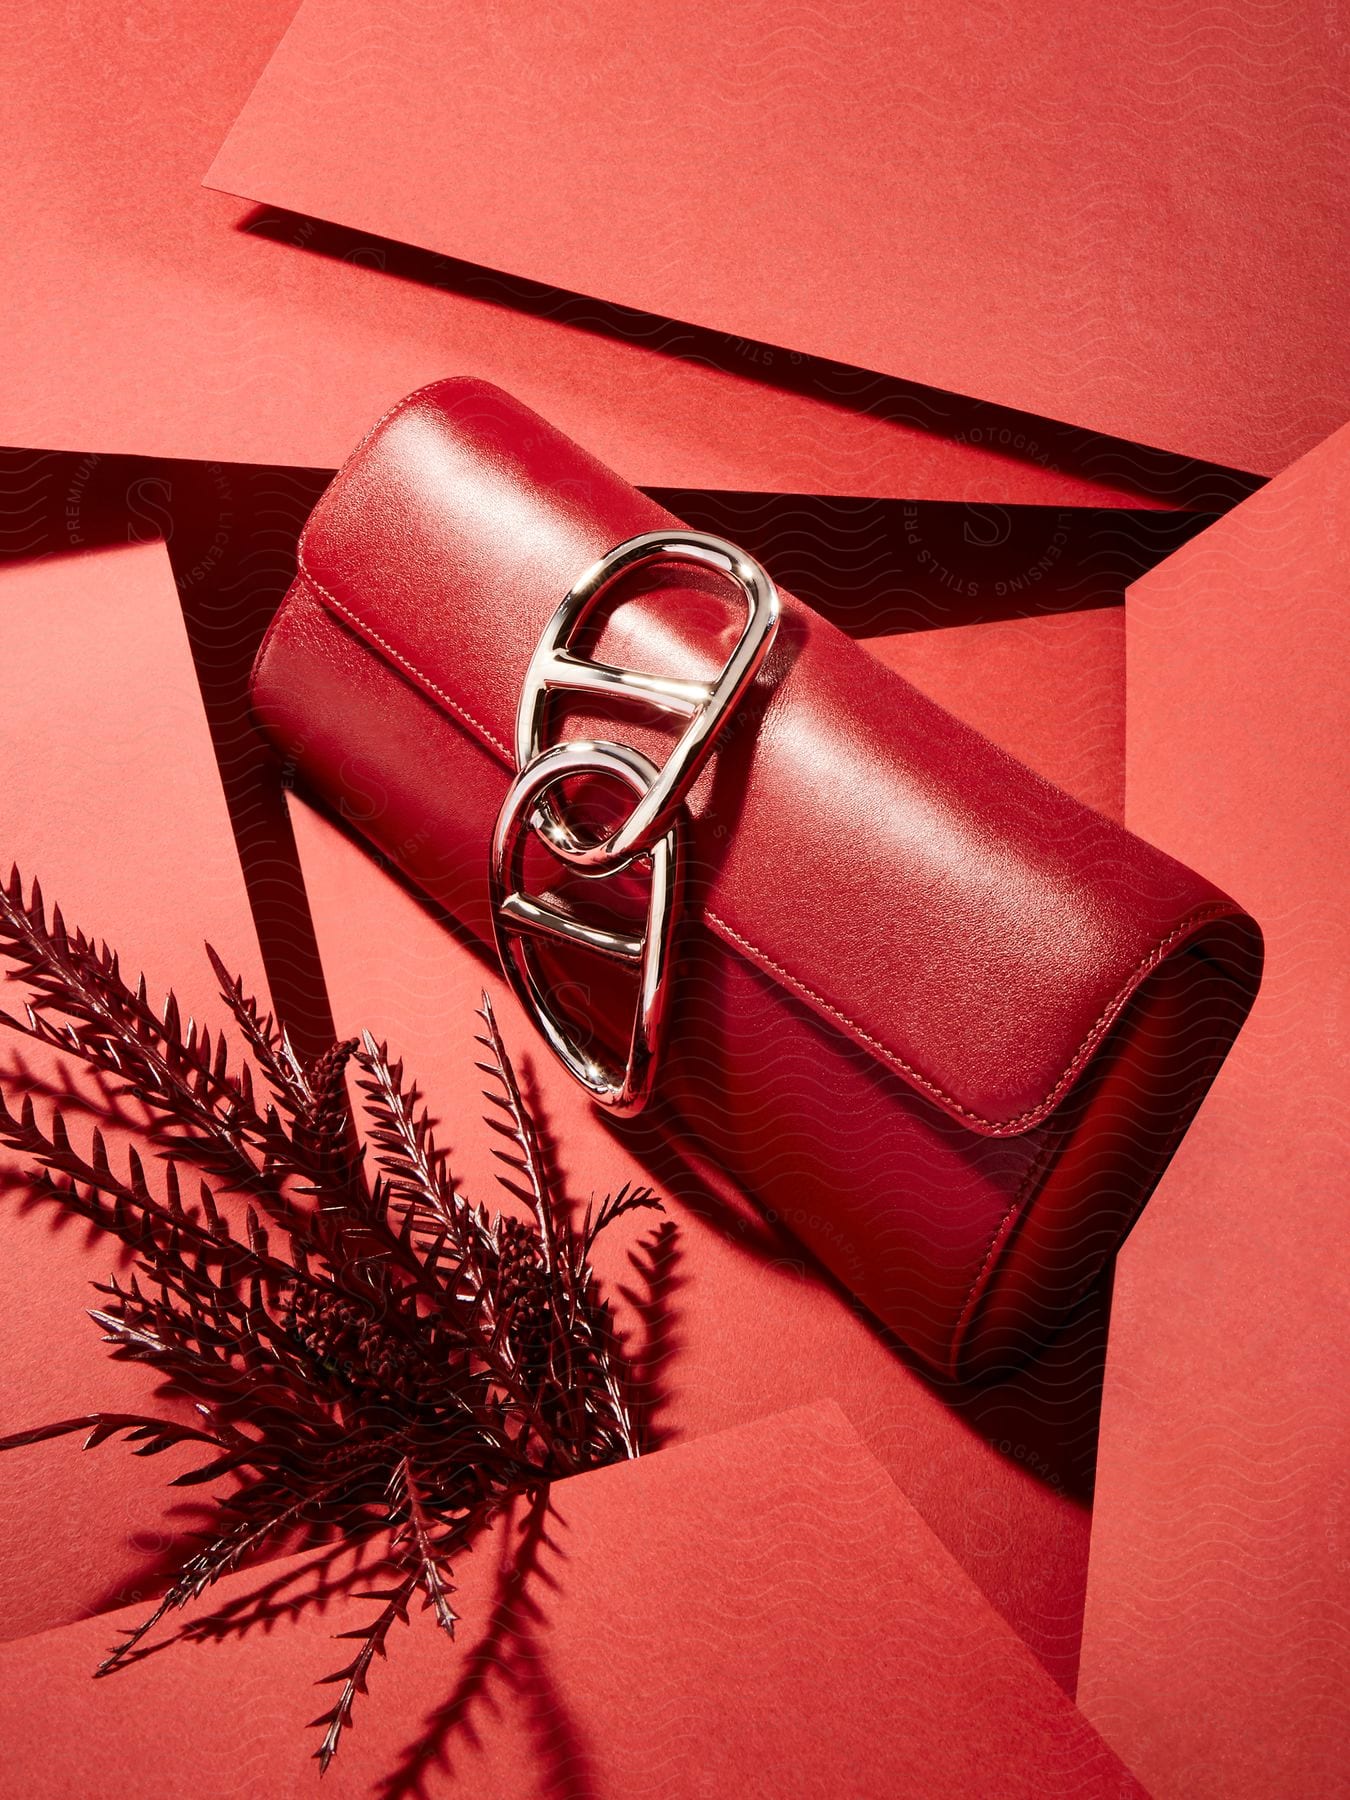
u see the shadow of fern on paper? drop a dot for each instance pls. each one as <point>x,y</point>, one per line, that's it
<point>509,1659</point>
<point>365,1357</point>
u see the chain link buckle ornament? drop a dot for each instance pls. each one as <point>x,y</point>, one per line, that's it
<point>522,919</point>
<point>653,828</point>
<point>706,704</point>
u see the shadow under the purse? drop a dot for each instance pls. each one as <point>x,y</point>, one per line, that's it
<point>1007,435</point>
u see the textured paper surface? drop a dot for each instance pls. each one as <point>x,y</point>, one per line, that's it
<point>142,314</point>
<point>112,797</point>
<point>1217,1643</point>
<point>1131,218</point>
<point>757,1614</point>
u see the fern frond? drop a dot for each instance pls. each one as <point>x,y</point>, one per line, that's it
<point>369,1357</point>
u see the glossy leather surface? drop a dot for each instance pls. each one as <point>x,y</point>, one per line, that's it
<point>908,961</point>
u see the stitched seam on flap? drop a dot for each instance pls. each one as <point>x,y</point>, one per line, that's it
<point>301,557</point>
<point>1032,1177</point>
<point>1151,959</point>
<point>461,712</point>
<point>1009,1126</point>
<point>1025,1188</point>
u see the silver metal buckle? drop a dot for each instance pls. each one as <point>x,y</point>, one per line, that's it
<point>520,918</point>
<point>706,704</point>
<point>652,830</point>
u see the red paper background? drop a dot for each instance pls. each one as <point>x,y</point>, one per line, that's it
<point>113,798</point>
<point>1215,1651</point>
<point>1131,218</point>
<point>759,1613</point>
<point>142,314</point>
<point>1130,221</point>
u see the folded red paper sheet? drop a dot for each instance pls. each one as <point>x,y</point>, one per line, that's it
<point>1131,218</point>
<point>142,314</point>
<point>113,799</point>
<point>1216,1653</point>
<point>760,1613</point>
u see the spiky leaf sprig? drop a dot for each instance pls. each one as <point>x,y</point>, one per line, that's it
<point>362,1352</point>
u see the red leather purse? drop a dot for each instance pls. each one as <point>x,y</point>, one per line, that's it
<point>940,1018</point>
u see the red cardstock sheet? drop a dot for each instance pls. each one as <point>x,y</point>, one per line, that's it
<point>1217,1642</point>
<point>113,799</point>
<point>1049,688</point>
<point>1130,218</point>
<point>143,314</point>
<point>756,1614</point>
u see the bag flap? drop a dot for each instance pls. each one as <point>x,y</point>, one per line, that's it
<point>972,926</point>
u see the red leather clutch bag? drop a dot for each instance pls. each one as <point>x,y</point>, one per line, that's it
<point>940,1018</point>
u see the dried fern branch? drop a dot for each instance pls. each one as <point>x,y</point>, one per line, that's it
<point>367,1355</point>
